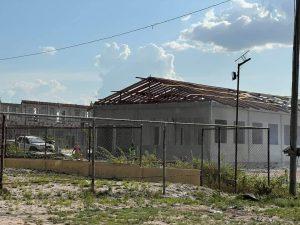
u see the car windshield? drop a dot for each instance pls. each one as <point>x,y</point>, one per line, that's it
<point>36,140</point>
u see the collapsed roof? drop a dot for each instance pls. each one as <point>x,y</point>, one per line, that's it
<point>154,90</point>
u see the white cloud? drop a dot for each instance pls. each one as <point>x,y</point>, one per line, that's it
<point>118,61</point>
<point>245,25</point>
<point>246,5</point>
<point>86,99</point>
<point>40,90</point>
<point>55,86</point>
<point>154,60</point>
<point>177,45</point>
<point>49,50</point>
<point>112,52</point>
<point>59,86</point>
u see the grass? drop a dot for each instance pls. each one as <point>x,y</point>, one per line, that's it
<point>66,199</point>
<point>136,202</point>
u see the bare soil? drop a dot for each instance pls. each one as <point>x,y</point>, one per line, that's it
<point>32,197</point>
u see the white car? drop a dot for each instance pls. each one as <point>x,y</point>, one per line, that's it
<point>33,143</point>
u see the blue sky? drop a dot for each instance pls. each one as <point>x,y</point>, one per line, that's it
<point>200,48</point>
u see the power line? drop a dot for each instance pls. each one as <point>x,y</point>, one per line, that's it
<point>114,35</point>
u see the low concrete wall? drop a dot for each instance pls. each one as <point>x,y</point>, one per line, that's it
<point>107,170</point>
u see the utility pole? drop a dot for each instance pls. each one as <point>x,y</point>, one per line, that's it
<point>294,105</point>
<point>234,77</point>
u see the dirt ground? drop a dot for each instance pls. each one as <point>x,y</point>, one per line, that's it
<point>32,197</point>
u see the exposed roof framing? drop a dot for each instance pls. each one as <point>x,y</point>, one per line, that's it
<point>153,90</point>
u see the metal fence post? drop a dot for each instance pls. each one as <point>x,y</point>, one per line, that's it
<point>114,141</point>
<point>89,144</point>
<point>141,145</point>
<point>164,159</point>
<point>5,146</point>
<point>236,158</point>
<point>2,151</point>
<point>202,160</point>
<point>93,157</point>
<point>25,134</point>
<point>219,158</point>
<point>46,134</point>
<point>268,156</point>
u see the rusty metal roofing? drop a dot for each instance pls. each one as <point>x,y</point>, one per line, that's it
<point>154,90</point>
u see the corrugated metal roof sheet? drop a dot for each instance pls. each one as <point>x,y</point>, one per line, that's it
<point>153,90</point>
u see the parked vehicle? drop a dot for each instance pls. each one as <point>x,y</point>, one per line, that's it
<point>33,143</point>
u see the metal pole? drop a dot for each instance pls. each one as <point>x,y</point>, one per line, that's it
<point>219,158</point>
<point>237,116</point>
<point>202,149</point>
<point>268,157</point>
<point>90,141</point>
<point>294,105</point>
<point>164,159</point>
<point>2,152</point>
<point>26,131</point>
<point>5,146</point>
<point>93,157</point>
<point>141,146</point>
<point>15,140</point>
<point>114,141</point>
<point>46,134</point>
<point>236,128</point>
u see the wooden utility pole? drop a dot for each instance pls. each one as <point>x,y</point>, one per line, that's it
<point>294,105</point>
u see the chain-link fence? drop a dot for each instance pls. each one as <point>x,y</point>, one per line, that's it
<point>148,150</point>
<point>230,159</point>
<point>47,142</point>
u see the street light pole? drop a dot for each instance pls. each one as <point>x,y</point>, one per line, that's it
<point>234,77</point>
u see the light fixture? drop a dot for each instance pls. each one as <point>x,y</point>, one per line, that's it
<point>234,75</point>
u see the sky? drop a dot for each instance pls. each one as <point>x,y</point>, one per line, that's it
<point>200,48</point>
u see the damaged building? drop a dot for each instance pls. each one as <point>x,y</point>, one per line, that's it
<point>161,99</point>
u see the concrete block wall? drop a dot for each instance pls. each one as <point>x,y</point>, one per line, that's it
<point>194,112</point>
<point>107,170</point>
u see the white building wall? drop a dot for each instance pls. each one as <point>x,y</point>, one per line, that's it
<point>248,151</point>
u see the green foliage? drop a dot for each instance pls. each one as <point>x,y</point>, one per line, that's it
<point>76,155</point>
<point>14,150</point>
<point>131,153</point>
<point>150,160</point>
<point>258,184</point>
<point>88,199</point>
<point>104,154</point>
<point>48,138</point>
